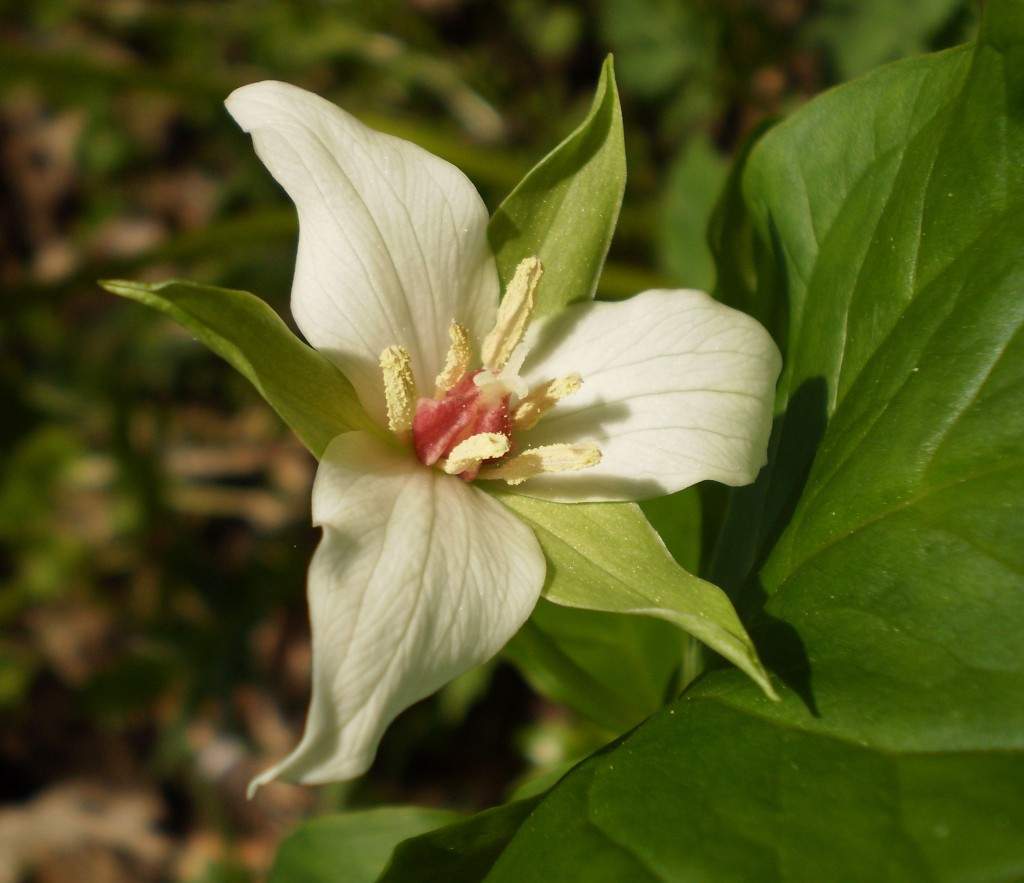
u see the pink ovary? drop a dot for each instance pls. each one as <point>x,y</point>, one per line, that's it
<point>465,410</point>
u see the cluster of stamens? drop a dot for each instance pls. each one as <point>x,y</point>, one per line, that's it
<point>467,427</point>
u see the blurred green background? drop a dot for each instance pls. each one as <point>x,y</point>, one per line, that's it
<point>154,514</point>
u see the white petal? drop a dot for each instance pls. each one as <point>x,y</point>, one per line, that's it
<point>418,578</point>
<point>392,240</point>
<point>677,388</point>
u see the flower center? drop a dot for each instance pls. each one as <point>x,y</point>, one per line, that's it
<point>467,427</point>
<point>464,411</point>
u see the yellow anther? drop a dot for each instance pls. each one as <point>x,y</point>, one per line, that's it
<point>543,399</point>
<point>545,459</point>
<point>513,315</point>
<point>471,452</point>
<point>457,361</point>
<point>399,388</point>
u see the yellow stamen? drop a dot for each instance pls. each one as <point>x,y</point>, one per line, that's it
<point>513,315</point>
<point>399,388</point>
<point>457,360</point>
<point>471,452</point>
<point>545,459</point>
<point>543,399</point>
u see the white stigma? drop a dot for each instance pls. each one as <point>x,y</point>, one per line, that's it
<point>507,379</point>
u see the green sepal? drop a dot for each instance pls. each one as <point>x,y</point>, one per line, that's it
<point>565,210</point>
<point>301,385</point>
<point>607,557</point>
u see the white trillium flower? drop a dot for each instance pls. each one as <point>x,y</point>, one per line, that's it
<point>420,574</point>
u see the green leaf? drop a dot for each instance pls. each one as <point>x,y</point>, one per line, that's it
<point>464,851</point>
<point>677,519</point>
<point>564,211</point>
<point>896,583</point>
<point>606,557</point>
<point>353,847</point>
<point>703,792</point>
<point>305,389</point>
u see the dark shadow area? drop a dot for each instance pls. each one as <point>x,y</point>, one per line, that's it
<point>476,754</point>
<point>800,431</point>
<point>784,654</point>
<point>758,514</point>
<point>757,517</point>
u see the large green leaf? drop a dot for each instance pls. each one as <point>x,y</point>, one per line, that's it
<point>704,792</point>
<point>305,389</point>
<point>564,211</point>
<point>881,550</point>
<point>895,584</point>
